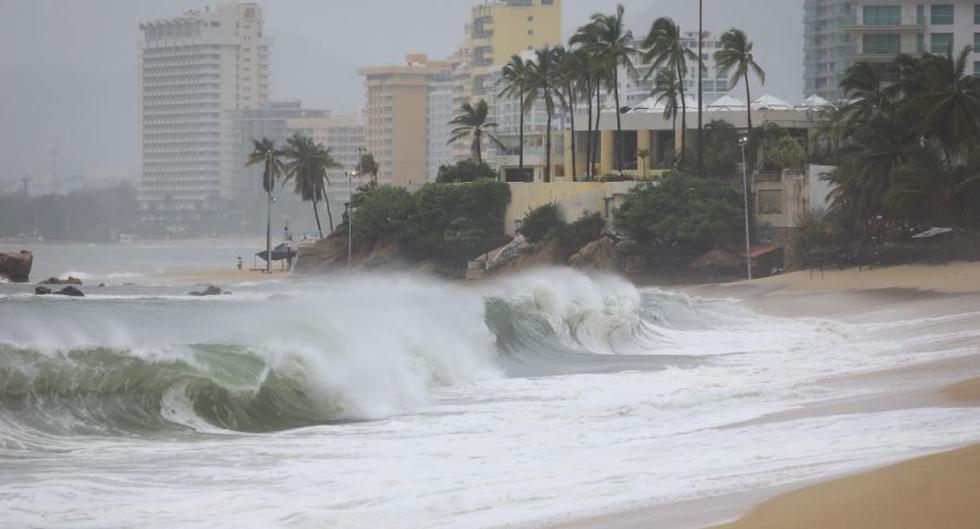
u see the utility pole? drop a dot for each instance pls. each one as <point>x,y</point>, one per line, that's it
<point>700,88</point>
<point>743,143</point>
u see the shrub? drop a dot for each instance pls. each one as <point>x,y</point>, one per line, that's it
<point>586,229</point>
<point>542,223</point>
<point>465,171</point>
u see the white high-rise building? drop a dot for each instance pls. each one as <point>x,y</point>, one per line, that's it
<point>197,71</point>
<point>635,91</point>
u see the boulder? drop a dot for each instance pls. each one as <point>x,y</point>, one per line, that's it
<point>16,267</point>
<point>384,252</point>
<point>597,255</point>
<point>56,281</point>
<point>42,291</point>
<point>323,255</point>
<point>211,290</point>
<point>71,291</point>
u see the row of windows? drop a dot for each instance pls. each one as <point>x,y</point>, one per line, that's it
<point>891,15</point>
<point>891,43</point>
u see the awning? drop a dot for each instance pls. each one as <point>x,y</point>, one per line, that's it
<point>760,250</point>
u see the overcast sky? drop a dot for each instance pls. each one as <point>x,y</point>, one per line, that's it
<point>68,68</point>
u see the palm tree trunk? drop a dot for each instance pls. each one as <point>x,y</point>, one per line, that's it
<point>571,113</point>
<point>520,150</point>
<point>598,135</point>
<point>268,215</point>
<point>547,150</point>
<point>316,215</point>
<point>748,115</point>
<point>326,200</point>
<point>588,136</point>
<point>476,148</point>
<point>683,116</point>
<point>673,137</point>
<point>619,124</point>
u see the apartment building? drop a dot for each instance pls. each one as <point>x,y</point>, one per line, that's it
<point>345,137</point>
<point>841,33</point>
<point>197,70</point>
<point>635,91</point>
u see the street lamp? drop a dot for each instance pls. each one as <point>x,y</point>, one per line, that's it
<point>743,144</point>
<point>350,214</point>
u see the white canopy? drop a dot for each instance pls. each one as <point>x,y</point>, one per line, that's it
<point>727,102</point>
<point>770,102</point>
<point>649,104</point>
<point>814,102</point>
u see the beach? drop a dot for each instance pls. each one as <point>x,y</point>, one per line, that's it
<point>938,490</point>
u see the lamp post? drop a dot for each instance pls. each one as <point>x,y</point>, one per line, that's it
<point>743,143</point>
<point>350,214</point>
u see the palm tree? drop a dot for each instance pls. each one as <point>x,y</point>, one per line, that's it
<point>515,77</point>
<point>543,84</point>
<point>264,151</point>
<point>308,165</point>
<point>665,50</point>
<point>368,165</point>
<point>592,76</point>
<point>736,54</point>
<point>950,104</point>
<point>667,90</point>
<point>865,93</point>
<point>472,122</point>
<point>614,45</point>
<point>938,193</point>
<point>571,64</point>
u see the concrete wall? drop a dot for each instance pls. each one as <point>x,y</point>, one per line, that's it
<point>574,198</point>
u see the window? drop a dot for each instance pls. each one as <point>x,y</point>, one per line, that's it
<point>976,41</point>
<point>920,43</point>
<point>940,42</point>
<point>976,13</point>
<point>882,15</point>
<point>942,15</point>
<point>770,202</point>
<point>885,44</point>
<point>920,15</point>
<point>976,68</point>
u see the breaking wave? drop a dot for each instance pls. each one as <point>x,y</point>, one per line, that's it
<point>362,349</point>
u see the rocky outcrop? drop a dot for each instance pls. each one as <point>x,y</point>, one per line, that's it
<point>542,254</point>
<point>211,290</point>
<point>42,291</point>
<point>71,292</point>
<point>385,252</point>
<point>16,267</point>
<point>56,281</point>
<point>324,255</point>
<point>597,255</point>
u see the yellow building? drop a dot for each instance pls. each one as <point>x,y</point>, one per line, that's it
<point>396,118</point>
<point>503,28</point>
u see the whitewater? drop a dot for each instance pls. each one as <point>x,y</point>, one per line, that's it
<point>395,401</point>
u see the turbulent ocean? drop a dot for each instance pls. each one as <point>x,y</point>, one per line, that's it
<point>396,401</point>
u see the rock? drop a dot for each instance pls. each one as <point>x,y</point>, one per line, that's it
<point>56,281</point>
<point>42,291</point>
<point>71,291</point>
<point>102,285</point>
<point>542,254</point>
<point>209,291</point>
<point>385,252</point>
<point>16,267</point>
<point>323,255</point>
<point>597,255</point>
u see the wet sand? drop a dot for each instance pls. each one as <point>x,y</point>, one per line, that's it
<point>952,278</point>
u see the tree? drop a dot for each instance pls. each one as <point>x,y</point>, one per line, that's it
<point>667,90</point>
<point>543,84</point>
<point>935,193</point>
<point>681,214</point>
<point>516,79</point>
<point>614,46</point>
<point>663,49</point>
<point>464,171</point>
<point>307,168</point>
<point>473,122</point>
<point>367,165</point>
<point>592,77</point>
<point>736,58</point>
<point>950,102</point>
<point>865,93</point>
<point>264,151</point>
<point>571,65</point>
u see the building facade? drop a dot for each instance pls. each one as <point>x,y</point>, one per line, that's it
<point>345,137</point>
<point>827,49</point>
<point>715,84</point>
<point>197,70</point>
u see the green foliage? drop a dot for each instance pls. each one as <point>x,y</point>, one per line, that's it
<point>682,213</point>
<point>542,223</point>
<point>787,154</point>
<point>448,222</point>
<point>586,229</point>
<point>721,151</point>
<point>465,171</point>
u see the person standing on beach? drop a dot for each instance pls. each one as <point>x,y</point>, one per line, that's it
<point>239,263</point>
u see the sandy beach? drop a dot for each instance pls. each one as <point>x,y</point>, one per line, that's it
<point>937,491</point>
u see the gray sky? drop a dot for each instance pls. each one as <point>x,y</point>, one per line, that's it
<point>69,67</point>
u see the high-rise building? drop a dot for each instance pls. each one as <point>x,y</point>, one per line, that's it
<point>827,49</point>
<point>441,109</point>
<point>716,85</point>
<point>840,33</point>
<point>197,71</point>
<point>397,118</point>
